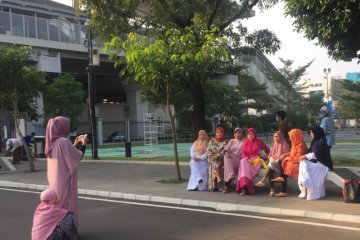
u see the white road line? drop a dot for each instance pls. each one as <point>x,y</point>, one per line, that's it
<point>205,211</point>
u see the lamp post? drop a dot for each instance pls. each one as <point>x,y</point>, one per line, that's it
<point>327,72</point>
<point>91,92</point>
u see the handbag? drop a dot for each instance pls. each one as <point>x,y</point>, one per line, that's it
<point>351,191</point>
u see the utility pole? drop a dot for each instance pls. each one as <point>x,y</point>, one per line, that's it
<point>327,72</point>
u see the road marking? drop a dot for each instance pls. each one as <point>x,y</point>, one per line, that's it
<point>204,211</point>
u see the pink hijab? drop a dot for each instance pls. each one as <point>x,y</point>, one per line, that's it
<point>277,149</point>
<point>56,127</point>
<point>251,148</point>
<point>47,216</point>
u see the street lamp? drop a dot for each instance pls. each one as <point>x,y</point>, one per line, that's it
<point>327,72</point>
<point>91,91</point>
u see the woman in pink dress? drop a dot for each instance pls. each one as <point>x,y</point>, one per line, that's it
<point>250,162</point>
<point>232,159</point>
<point>63,159</point>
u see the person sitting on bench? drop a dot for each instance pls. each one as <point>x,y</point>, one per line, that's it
<point>314,166</point>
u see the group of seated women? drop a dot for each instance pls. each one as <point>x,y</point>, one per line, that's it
<point>234,164</point>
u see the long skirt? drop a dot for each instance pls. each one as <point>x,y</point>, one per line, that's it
<point>312,177</point>
<point>66,228</point>
<point>247,173</point>
<point>231,167</point>
<point>214,175</point>
<point>198,178</point>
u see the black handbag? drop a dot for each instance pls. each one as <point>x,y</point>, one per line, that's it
<point>351,191</point>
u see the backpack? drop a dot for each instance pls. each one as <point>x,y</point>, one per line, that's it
<point>351,191</point>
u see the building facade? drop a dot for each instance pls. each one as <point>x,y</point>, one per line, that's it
<point>58,39</point>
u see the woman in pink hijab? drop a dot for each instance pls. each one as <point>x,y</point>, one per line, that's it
<point>250,162</point>
<point>51,221</point>
<point>63,159</point>
<point>279,148</point>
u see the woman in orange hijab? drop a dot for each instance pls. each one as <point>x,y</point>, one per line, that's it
<point>290,164</point>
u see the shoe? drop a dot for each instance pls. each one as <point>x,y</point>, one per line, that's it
<point>243,193</point>
<point>280,194</point>
<point>272,194</point>
<point>302,196</point>
<point>278,179</point>
<point>260,184</point>
<point>226,190</point>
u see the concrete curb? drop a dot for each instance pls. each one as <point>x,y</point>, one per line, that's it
<point>218,206</point>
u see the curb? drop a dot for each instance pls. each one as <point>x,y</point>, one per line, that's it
<point>217,206</point>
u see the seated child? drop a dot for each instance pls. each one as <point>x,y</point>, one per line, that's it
<point>51,221</point>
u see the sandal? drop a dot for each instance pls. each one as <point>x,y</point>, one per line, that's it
<point>280,194</point>
<point>226,190</point>
<point>260,184</point>
<point>278,179</point>
<point>243,193</point>
<point>272,194</point>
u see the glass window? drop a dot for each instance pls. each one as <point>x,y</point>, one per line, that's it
<point>17,25</point>
<point>30,30</point>
<point>42,28</point>
<point>53,30</point>
<point>4,23</point>
<point>83,34</point>
<point>65,31</point>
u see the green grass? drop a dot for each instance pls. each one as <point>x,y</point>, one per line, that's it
<point>151,159</point>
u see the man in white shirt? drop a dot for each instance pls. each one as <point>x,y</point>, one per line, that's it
<point>14,145</point>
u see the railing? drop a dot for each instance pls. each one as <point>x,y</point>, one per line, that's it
<point>59,30</point>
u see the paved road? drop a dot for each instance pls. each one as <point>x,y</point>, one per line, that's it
<point>112,219</point>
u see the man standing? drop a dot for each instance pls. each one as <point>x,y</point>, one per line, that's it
<point>327,123</point>
<point>283,126</point>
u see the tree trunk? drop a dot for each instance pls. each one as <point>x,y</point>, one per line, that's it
<point>172,123</point>
<point>198,114</point>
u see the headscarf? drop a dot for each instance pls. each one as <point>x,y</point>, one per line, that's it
<point>240,130</point>
<point>234,145</point>
<point>223,137</point>
<point>200,145</point>
<point>277,149</point>
<point>251,148</point>
<point>47,215</point>
<point>320,147</point>
<point>56,128</point>
<point>298,147</point>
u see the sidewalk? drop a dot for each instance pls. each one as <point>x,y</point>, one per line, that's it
<point>139,181</point>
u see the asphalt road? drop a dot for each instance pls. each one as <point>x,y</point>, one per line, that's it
<point>113,219</point>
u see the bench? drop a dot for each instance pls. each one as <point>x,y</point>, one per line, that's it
<point>337,176</point>
<point>5,165</point>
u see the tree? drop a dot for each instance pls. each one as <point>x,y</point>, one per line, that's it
<point>20,85</point>
<point>160,66</point>
<point>333,24</point>
<point>155,18</point>
<point>349,98</point>
<point>313,103</point>
<point>64,97</point>
<point>291,79</point>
